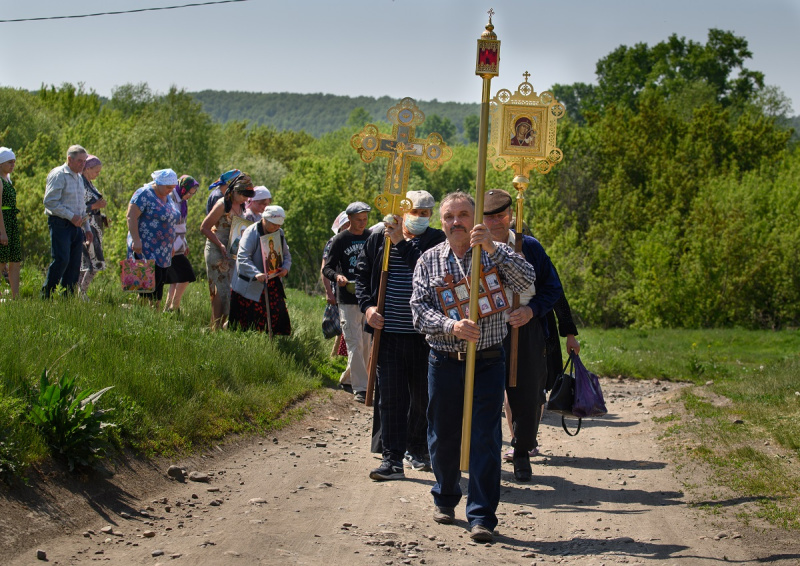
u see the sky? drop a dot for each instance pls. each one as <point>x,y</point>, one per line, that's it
<point>424,49</point>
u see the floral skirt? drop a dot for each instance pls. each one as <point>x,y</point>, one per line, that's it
<point>219,271</point>
<point>13,251</point>
<point>92,258</point>
<point>252,315</point>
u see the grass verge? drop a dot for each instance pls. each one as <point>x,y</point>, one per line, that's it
<point>176,384</point>
<point>742,416</point>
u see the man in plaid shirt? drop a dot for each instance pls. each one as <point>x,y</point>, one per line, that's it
<point>447,365</point>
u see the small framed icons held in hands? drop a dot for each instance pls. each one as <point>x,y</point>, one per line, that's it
<point>454,297</point>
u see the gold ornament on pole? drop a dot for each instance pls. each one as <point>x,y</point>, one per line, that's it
<point>400,148</point>
<point>486,67</point>
<point>523,138</point>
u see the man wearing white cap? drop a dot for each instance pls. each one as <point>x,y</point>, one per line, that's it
<point>402,369</point>
<point>340,268</point>
<point>65,206</point>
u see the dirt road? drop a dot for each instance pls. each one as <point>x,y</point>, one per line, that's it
<point>611,495</point>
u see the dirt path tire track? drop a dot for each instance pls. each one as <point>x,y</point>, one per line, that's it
<point>607,496</point>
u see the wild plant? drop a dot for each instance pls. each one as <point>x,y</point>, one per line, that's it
<point>67,418</point>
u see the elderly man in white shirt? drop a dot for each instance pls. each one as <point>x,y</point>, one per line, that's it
<point>65,206</point>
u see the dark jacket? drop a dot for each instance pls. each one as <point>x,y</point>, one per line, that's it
<point>370,262</point>
<point>548,285</point>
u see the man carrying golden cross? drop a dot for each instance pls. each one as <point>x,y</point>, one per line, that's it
<point>402,364</point>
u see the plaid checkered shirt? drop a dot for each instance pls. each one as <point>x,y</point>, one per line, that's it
<point>431,269</point>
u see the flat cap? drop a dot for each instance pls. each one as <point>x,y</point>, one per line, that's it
<point>356,207</point>
<point>496,200</point>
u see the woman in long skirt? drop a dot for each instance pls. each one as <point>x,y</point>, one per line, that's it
<point>263,260</point>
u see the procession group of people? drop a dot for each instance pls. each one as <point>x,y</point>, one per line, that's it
<point>421,357</point>
<point>244,284</point>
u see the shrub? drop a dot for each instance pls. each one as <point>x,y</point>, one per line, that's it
<point>68,420</point>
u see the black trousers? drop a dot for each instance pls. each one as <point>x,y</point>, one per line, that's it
<point>527,397</point>
<point>403,394</point>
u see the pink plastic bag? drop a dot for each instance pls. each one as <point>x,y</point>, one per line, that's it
<point>138,275</point>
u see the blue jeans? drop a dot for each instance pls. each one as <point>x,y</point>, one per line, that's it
<point>66,247</point>
<point>445,408</point>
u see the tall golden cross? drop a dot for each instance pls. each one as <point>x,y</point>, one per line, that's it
<point>400,148</point>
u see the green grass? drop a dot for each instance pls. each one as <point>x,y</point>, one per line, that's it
<point>686,355</point>
<point>176,384</point>
<point>743,410</point>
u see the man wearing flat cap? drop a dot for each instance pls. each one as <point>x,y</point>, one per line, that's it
<point>402,368</point>
<point>340,268</point>
<point>528,396</point>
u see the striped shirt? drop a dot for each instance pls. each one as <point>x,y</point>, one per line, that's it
<point>397,310</point>
<point>65,195</point>
<point>431,269</point>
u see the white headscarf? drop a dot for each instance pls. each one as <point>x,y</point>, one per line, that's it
<point>6,154</point>
<point>262,193</point>
<point>274,214</point>
<point>165,177</point>
<point>339,222</point>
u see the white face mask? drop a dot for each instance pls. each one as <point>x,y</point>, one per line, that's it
<point>416,224</point>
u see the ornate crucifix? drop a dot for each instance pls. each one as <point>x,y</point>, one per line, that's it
<point>400,148</point>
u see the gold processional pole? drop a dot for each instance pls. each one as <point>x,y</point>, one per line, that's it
<point>401,148</point>
<point>524,126</point>
<point>487,66</point>
<point>520,183</point>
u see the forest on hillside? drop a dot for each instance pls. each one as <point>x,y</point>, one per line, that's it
<point>677,203</point>
<point>319,114</point>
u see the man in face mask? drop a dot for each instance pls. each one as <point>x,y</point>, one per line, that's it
<point>402,369</point>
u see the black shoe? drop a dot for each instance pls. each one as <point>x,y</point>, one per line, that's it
<point>522,467</point>
<point>360,397</point>
<point>418,463</point>
<point>388,471</point>
<point>444,515</point>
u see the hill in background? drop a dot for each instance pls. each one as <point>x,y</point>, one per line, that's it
<point>317,114</point>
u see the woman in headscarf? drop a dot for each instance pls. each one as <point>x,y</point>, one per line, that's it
<point>216,227</point>
<point>151,226</point>
<point>180,273</point>
<point>92,259</point>
<point>256,205</point>
<point>10,238</point>
<point>219,187</point>
<point>342,222</point>
<point>255,282</point>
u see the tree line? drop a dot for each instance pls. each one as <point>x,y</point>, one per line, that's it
<point>676,205</point>
<point>320,114</point>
